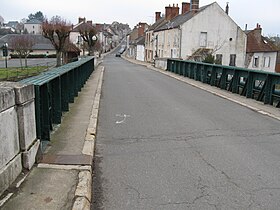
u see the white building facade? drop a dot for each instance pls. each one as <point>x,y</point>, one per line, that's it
<point>210,29</point>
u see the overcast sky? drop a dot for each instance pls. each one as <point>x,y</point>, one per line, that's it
<point>251,12</point>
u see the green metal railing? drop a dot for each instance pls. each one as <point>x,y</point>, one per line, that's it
<point>54,90</point>
<point>259,85</point>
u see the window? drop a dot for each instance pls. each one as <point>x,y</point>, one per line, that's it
<point>266,62</point>
<point>203,39</point>
<point>219,59</point>
<point>232,61</point>
<point>256,61</point>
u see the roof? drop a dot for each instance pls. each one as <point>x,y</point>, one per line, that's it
<point>83,26</point>
<point>257,43</point>
<point>157,24</point>
<point>41,43</point>
<point>12,23</point>
<point>33,21</point>
<point>140,40</point>
<point>180,19</point>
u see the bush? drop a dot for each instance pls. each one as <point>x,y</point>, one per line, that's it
<point>209,59</point>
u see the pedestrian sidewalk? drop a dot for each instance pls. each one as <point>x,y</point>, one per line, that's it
<point>63,177</point>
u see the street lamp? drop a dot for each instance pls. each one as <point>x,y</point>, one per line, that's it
<point>5,53</point>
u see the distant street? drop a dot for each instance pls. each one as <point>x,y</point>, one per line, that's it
<point>30,62</point>
<point>162,144</point>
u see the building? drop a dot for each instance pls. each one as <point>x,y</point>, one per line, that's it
<point>261,53</point>
<point>151,40</point>
<point>42,46</point>
<point>33,26</point>
<point>133,37</point>
<point>199,32</point>
<point>140,48</point>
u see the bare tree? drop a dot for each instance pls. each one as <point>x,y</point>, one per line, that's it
<point>22,45</point>
<point>57,30</point>
<point>88,34</point>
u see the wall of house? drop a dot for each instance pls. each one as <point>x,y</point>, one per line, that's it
<point>150,42</point>
<point>223,35</point>
<point>33,28</point>
<point>261,61</point>
<point>140,53</point>
<point>169,43</point>
<point>74,37</point>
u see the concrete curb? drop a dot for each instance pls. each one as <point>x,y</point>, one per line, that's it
<point>83,189</point>
<point>210,89</point>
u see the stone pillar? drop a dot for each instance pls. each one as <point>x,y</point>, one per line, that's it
<point>10,160</point>
<point>25,107</point>
<point>26,123</point>
<point>18,141</point>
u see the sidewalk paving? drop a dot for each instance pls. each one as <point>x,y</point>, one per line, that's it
<point>63,178</point>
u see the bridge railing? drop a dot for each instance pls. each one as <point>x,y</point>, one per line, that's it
<point>54,90</point>
<point>258,85</point>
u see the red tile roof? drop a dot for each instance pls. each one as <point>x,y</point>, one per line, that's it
<point>257,43</point>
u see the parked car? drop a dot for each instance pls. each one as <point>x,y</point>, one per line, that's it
<point>121,51</point>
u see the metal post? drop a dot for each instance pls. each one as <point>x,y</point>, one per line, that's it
<point>6,62</point>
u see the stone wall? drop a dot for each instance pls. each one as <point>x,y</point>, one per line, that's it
<point>17,131</point>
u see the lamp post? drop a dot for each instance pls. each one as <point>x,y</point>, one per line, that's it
<point>5,53</point>
<point>94,38</point>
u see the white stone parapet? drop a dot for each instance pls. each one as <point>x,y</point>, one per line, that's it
<point>18,141</point>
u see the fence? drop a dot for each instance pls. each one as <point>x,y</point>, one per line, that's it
<point>54,90</point>
<point>258,85</point>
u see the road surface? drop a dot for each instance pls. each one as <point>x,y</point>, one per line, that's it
<point>30,62</point>
<point>163,144</point>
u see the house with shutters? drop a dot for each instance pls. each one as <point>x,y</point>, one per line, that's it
<point>134,39</point>
<point>198,32</point>
<point>33,26</point>
<point>150,40</point>
<point>261,52</point>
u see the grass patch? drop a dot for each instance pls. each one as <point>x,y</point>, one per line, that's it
<point>15,74</point>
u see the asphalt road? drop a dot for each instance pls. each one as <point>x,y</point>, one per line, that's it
<point>30,62</point>
<point>162,144</point>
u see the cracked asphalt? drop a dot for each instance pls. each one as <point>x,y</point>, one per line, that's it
<point>163,144</point>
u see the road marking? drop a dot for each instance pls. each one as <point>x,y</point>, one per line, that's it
<point>4,200</point>
<point>124,116</point>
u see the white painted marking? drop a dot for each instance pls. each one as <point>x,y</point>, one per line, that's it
<point>124,116</point>
<point>4,200</point>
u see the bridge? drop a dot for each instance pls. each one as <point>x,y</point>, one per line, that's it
<point>196,136</point>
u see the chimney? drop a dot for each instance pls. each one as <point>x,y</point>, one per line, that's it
<point>227,9</point>
<point>158,16</point>
<point>168,12</point>
<point>141,29</point>
<point>194,5</point>
<point>185,7</point>
<point>258,32</point>
<point>82,19</point>
<point>175,11</point>
<point>89,22</point>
